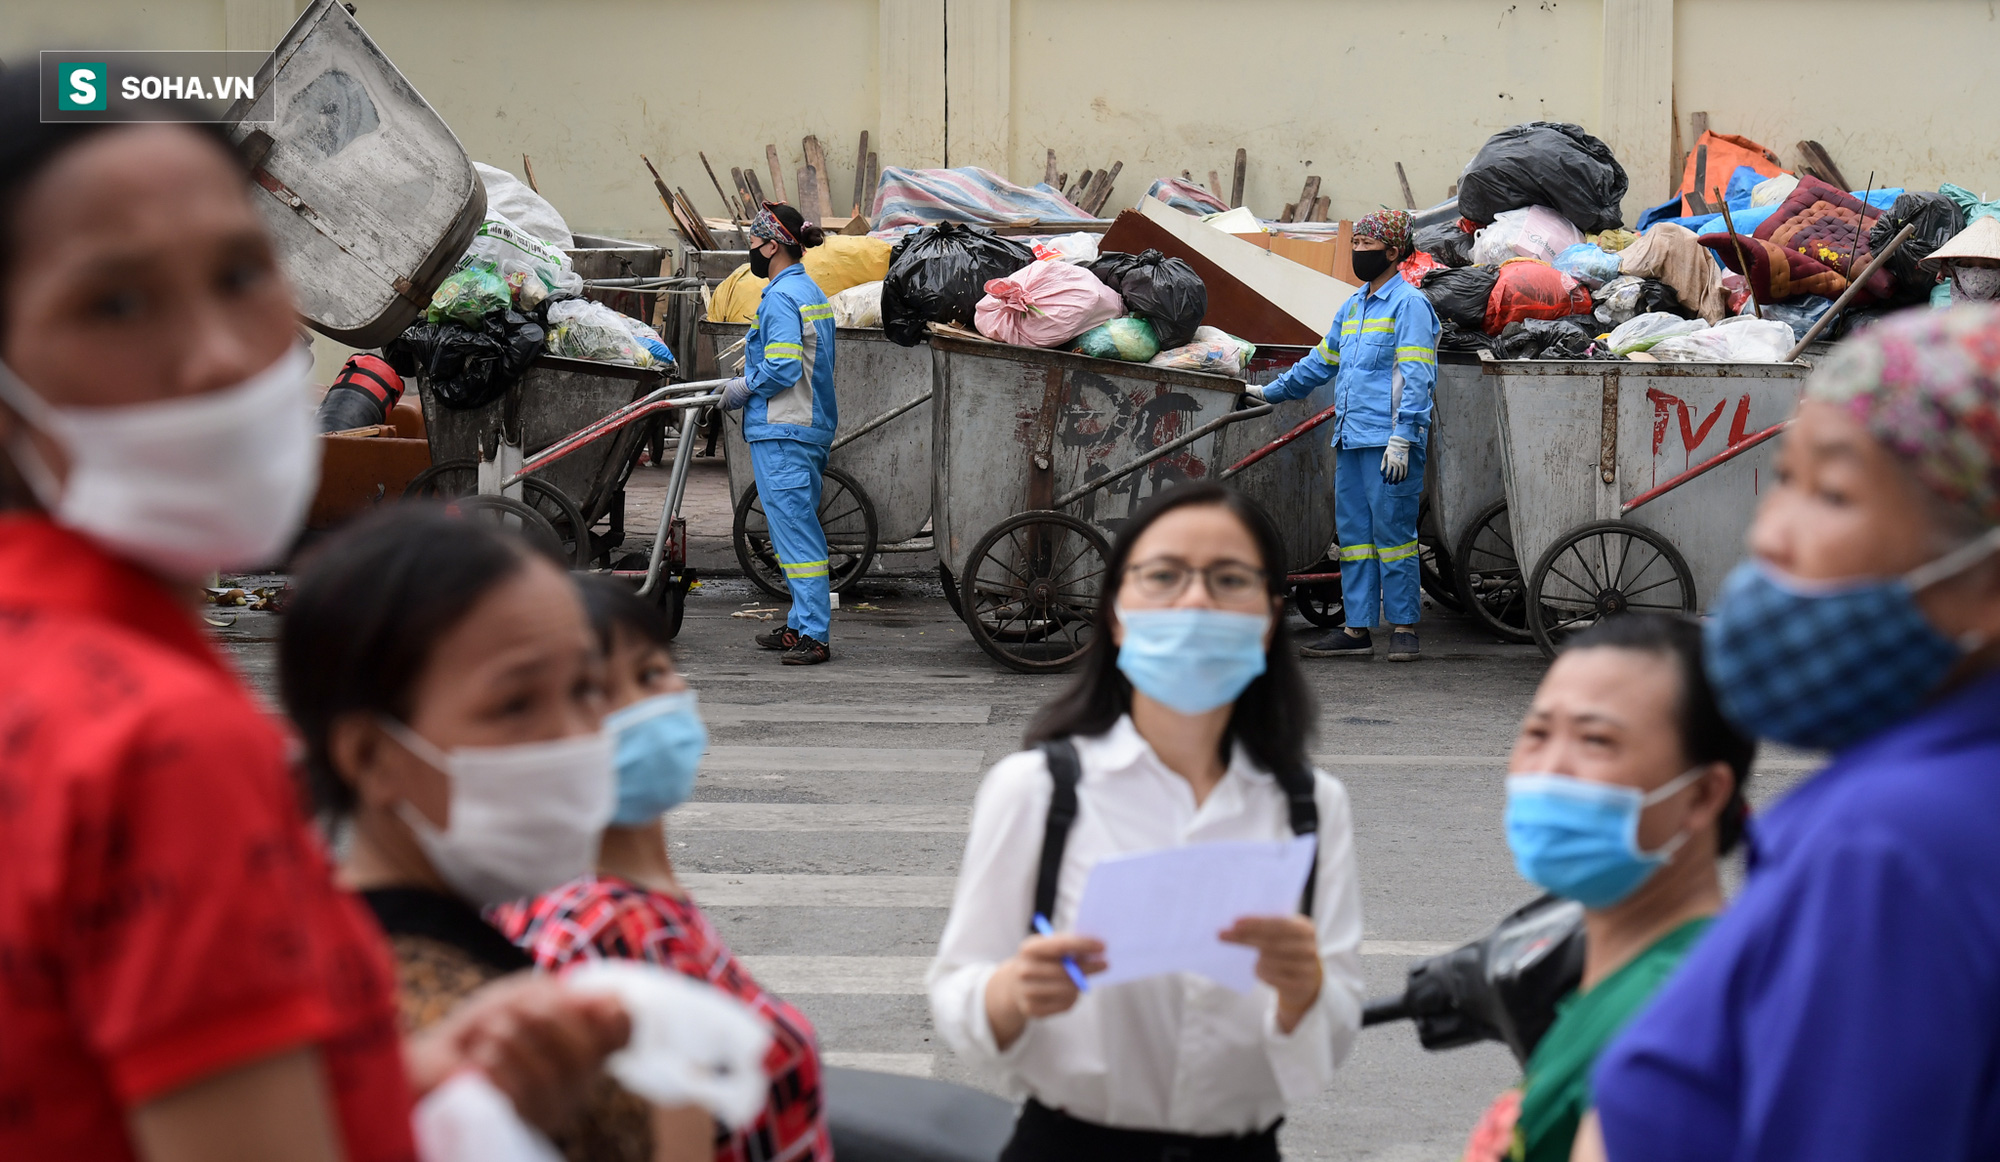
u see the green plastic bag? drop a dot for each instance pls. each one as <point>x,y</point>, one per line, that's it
<point>469,296</point>
<point>1129,338</point>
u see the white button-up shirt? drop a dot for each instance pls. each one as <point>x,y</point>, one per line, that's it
<point>1176,1053</point>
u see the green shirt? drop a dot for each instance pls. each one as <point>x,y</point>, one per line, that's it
<point>1555,1094</point>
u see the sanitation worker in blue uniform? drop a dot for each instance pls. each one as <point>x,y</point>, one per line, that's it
<point>1382,357</point>
<point>786,391</point>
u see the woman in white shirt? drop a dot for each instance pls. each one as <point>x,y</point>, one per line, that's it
<point>1188,725</point>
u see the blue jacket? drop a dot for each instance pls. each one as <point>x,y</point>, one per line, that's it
<point>788,363</point>
<point>1382,357</point>
<point>1846,1006</point>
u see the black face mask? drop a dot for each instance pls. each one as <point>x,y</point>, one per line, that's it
<point>1369,264</point>
<point>760,264</point>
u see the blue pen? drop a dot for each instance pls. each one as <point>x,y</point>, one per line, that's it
<point>1069,966</point>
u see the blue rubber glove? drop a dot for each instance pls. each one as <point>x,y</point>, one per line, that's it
<point>1396,460</point>
<point>735,393</point>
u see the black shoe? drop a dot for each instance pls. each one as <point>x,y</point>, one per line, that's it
<point>782,638</point>
<point>1341,644</point>
<point>1403,645</point>
<point>809,652</point>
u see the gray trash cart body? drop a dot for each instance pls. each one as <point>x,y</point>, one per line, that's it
<point>1581,442</point>
<point>1295,483</point>
<point>1465,474</point>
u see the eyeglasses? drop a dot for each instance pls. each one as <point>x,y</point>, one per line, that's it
<point>1166,578</point>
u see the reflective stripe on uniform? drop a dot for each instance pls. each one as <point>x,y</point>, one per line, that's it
<point>1358,326</point>
<point>1417,354</point>
<point>1401,552</point>
<point>813,312</point>
<point>1327,353</point>
<point>804,569</point>
<point>784,351</point>
<point>1357,553</point>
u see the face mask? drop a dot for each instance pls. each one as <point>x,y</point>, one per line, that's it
<point>524,818</point>
<point>660,743</point>
<point>1580,840</point>
<point>760,264</point>
<point>186,486</point>
<point>1369,264</point>
<point>1191,660</point>
<point>1975,284</point>
<point>1823,666</point>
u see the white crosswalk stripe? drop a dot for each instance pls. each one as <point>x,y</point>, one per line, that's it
<point>793,675</point>
<point>865,759</point>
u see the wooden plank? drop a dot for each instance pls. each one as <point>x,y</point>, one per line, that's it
<point>816,158</point>
<point>777,173</point>
<point>1822,165</point>
<point>528,171</point>
<point>1307,197</point>
<point>1699,123</point>
<point>874,184</point>
<point>1290,209</point>
<point>1236,179</point>
<point>1103,186</point>
<point>1073,193</point>
<point>809,207</point>
<point>1049,169</point>
<point>1062,180</point>
<point>1215,186</point>
<point>694,218</point>
<point>728,207</point>
<point>748,203</point>
<point>1321,205</point>
<point>1678,157</point>
<point>1696,204</point>
<point>756,191</point>
<point>861,189</point>
<point>1403,179</point>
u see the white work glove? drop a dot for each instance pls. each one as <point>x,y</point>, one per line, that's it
<point>1396,460</point>
<point>1255,391</point>
<point>735,393</point>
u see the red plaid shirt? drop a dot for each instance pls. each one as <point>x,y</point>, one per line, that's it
<point>605,916</point>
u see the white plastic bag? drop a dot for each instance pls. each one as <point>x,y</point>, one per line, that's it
<point>1642,331</point>
<point>507,248</point>
<point>468,1120</point>
<point>1618,300</point>
<point>1530,232</point>
<point>581,329</point>
<point>1707,345</point>
<point>509,197</point>
<point>1771,191</point>
<point>1213,349</point>
<point>1079,248</point>
<point>1754,340</point>
<point>858,306</point>
<point>692,1043</point>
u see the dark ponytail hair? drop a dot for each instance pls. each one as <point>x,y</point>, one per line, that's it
<point>1274,716</point>
<point>1706,736</point>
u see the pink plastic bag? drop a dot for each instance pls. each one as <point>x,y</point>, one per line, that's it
<point>1045,304</point>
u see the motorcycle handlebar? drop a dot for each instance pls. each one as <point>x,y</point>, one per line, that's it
<point>1383,1010</point>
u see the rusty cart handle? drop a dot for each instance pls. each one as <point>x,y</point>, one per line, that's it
<point>1159,453</point>
<point>1716,461</point>
<point>878,421</point>
<point>1280,442</point>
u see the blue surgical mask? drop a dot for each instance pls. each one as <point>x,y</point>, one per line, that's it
<point>660,743</point>
<point>1822,665</point>
<point>1192,660</point>
<point>1580,839</point>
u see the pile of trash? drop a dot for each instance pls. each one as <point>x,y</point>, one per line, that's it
<point>1538,264</point>
<point>513,295</point>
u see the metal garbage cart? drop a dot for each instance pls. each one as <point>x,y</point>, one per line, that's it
<point>1292,481</point>
<point>877,493</point>
<point>1468,498</point>
<point>1037,457</point>
<point>1630,484</point>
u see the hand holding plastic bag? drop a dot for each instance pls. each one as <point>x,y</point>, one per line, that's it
<point>692,1043</point>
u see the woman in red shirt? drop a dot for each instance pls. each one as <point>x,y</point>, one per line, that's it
<point>179,977</point>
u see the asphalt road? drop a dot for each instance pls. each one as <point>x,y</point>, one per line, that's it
<point>828,824</point>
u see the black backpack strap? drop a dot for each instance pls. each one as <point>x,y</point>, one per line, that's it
<point>1065,771</point>
<point>1304,812</point>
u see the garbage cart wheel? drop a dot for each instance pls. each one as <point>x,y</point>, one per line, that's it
<point>452,479</point>
<point>1320,602</point>
<point>845,513</point>
<point>508,513</point>
<point>1490,585</point>
<point>950,584</point>
<point>1600,570</point>
<point>1030,590</point>
<point>1434,563</point>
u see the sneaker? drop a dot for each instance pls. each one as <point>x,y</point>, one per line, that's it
<point>809,652</point>
<point>1403,645</point>
<point>1340,643</point>
<point>782,638</point>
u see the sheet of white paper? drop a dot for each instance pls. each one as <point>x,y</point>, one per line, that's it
<point>1160,911</point>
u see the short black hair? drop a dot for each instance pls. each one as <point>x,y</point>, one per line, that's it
<point>612,605</point>
<point>1273,718</point>
<point>367,609</point>
<point>1707,736</point>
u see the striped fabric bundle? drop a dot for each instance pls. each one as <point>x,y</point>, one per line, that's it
<point>1186,197</point>
<point>925,197</point>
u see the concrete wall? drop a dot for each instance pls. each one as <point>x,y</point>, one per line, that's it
<point>1339,88</point>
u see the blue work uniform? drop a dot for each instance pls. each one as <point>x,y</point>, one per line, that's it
<point>1382,357</point>
<point>1846,1006</point>
<point>789,422</point>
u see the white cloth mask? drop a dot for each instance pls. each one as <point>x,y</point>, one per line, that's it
<point>1974,284</point>
<point>185,486</point>
<point>524,818</point>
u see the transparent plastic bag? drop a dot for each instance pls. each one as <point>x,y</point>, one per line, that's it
<point>1530,232</point>
<point>1801,313</point>
<point>1130,338</point>
<point>1641,332</point>
<point>581,329</point>
<point>1618,300</point>
<point>1079,247</point>
<point>1590,265</point>
<point>469,296</point>
<point>1754,340</point>
<point>1706,345</point>
<point>507,249</point>
<point>1213,349</point>
<point>858,306</point>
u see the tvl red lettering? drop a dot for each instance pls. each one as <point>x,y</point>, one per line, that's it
<point>1666,405</point>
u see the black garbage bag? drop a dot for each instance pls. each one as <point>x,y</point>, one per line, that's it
<point>469,367</point>
<point>1445,242</point>
<point>1459,295</point>
<point>1546,339</point>
<point>1165,291</point>
<point>1452,337</point>
<point>938,275</point>
<point>1936,218</point>
<point>1545,163</point>
<point>1655,295</point>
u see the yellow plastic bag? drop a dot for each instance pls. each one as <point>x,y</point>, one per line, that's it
<point>735,301</point>
<point>841,262</point>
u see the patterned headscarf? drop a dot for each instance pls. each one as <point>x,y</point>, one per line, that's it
<point>1927,385</point>
<point>1391,226</point>
<point>767,226</point>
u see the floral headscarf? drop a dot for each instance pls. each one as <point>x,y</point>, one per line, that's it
<point>767,226</point>
<point>1391,226</point>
